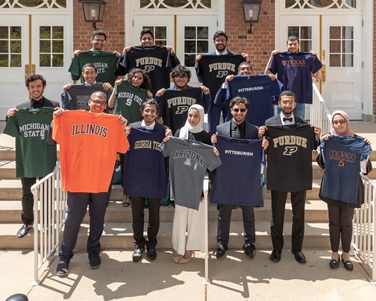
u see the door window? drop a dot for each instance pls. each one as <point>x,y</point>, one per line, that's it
<point>10,46</point>
<point>304,33</point>
<point>152,4</point>
<point>341,46</point>
<point>196,41</point>
<point>333,4</point>
<point>51,46</point>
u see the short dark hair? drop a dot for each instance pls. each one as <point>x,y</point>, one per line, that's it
<point>89,65</point>
<point>286,93</point>
<point>220,33</point>
<point>33,77</point>
<point>181,70</point>
<point>145,31</point>
<point>244,63</point>
<point>100,94</point>
<point>150,102</point>
<point>98,33</point>
<point>146,84</point>
<point>238,100</point>
<point>292,38</point>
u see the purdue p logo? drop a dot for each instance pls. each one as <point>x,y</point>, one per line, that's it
<point>222,74</point>
<point>149,68</point>
<point>181,109</point>
<point>289,150</point>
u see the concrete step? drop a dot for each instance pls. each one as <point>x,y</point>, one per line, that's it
<point>120,236</point>
<point>8,169</point>
<point>316,211</point>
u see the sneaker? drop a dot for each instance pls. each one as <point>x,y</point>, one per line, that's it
<point>151,253</point>
<point>94,261</point>
<point>249,250</point>
<point>62,269</point>
<point>137,254</point>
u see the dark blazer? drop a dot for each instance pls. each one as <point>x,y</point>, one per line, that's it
<point>276,120</point>
<point>47,103</point>
<point>138,125</point>
<point>228,52</point>
<point>251,131</point>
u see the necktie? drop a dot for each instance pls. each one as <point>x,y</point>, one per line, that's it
<point>287,119</point>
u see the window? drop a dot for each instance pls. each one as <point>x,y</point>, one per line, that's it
<point>186,4</point>
<point>51,46</point>
<point>160,34</point>
<point>304,33</point>
<point>311,4</point>
<point>341,49</point>
<point>196,41</point>
<point>10,46</point>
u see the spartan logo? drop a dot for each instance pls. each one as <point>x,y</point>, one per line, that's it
<point>289,150</point>
<point>181,109</point>
<point>149,68</point>
<point>222,74</point>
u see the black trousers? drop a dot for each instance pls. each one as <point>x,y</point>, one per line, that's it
<point>340,226</point>
<point>278,215</point>
<point>77,207</point>
<point>224,220</point>
<point>138,205</point>
<point>27,215</point>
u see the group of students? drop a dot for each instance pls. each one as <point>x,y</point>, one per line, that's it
<point>146,130</point>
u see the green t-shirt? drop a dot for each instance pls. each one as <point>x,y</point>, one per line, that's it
<point>105,63</point>
<point>128,101</point>
<point>34,157</point>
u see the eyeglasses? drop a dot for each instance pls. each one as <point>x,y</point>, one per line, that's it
<point>285,102</point>
<point>241,110</point>
<point>339,122</point>
<point>98,102</point>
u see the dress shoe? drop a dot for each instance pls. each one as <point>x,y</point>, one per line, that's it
<point>221,250</point>
<point>299,257</point>
<point>23,230</point>
<point>151,253</point>
<point>276,255</point>
<point>62,269</point>
<point>249,250</point>
<point>334,263</point>
<point>94,261</point>
<point>137,254</point>
<point>348,264</point>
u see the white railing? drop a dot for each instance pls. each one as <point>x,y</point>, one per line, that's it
<point>49,217</point>
<point>319,114</point>
<point>363,242</point>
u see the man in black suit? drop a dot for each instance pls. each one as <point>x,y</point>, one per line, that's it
<point>286,117</point>
<point>237,127</point>
<point>35,84</point>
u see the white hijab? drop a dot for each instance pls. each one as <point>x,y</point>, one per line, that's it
<point>184,131</point>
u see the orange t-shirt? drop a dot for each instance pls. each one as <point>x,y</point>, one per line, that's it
<point>89,143</point>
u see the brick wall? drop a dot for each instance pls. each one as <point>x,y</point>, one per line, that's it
<point>260,43</point>
<point>113,25</point>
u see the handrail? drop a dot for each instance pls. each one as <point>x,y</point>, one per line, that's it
<point>319,112</point>
<point>49,217</point>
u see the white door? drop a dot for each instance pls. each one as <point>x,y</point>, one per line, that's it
<point>188,35</point>
<point>340,38</point>
<point>45,49</point>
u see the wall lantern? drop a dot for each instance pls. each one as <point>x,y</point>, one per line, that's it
<point>93,11</point>
<point>251,9</point>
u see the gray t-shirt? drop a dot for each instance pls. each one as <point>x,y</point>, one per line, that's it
<point>188,163</point>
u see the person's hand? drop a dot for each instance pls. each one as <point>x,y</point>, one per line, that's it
<point>169,48</point>
<point>67,87</point>
<point>275,52</point>
<point>118,82</point>
<point>198,57</point>
<point>58,111</point>
<point>126,49</point>
<point>325,137</point>
<point>366,140</point>
<point>317,131</point>
<point>265,143</point>
<point>76,53</point>
<point>313,53</point>
<point>272,76</point>
<point>160,92</point>
<point>117,53</point>
<point>216,152</point>
<point>229,78</point>
<point>123,120</point>
<point>149,94</point>
<point>11,112</point>
<point>261,131</point>
<point>168,132</point>
<point>107,86</point>
<point>245,56</point>
<point>204,89</point>
<point>213,138</point>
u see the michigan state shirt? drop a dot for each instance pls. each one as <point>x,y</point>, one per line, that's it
<point>294,71</point>
<point>290,157</point>
<point>188,163</point>
<point>237,181</point>
<point>342,156</point>
<point>34,157</point>
<point>105,63</point>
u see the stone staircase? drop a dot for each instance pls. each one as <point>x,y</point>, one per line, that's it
<point>118,228</point>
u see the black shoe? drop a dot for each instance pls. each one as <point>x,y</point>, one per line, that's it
<point>276,255</point>
<point>62,269</point>
<point>151,253</point>
<point>249,250</point>
<point>23,230</point>
<point>137,254</point>
<point>299,257</point>
<point>347,264</point>
<point>94,261</point>
<point>334,263</point>
<point>221,250</point>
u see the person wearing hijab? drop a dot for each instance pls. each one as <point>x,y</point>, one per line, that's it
<point>338,176</point>
<point>187,219</point>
